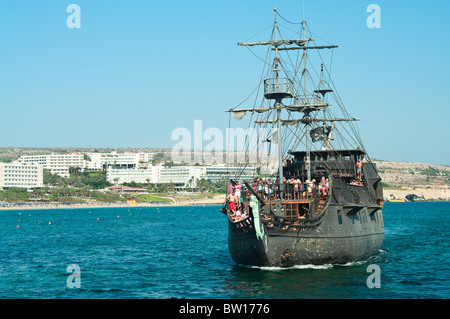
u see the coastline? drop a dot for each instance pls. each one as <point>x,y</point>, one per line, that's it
<point>423,194</point>
<point>216,200</point>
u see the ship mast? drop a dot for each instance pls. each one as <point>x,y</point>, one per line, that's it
<point>278,88</point>
<point>278,107</point>
<point>305,84</point>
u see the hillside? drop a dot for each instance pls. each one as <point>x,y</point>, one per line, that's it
<point>400,179</point>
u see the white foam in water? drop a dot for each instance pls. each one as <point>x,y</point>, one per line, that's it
<point>310,266</point>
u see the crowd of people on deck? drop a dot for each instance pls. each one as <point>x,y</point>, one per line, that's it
<point>293,189</point>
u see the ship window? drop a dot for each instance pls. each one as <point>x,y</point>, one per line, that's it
<point>291,210</point>
<point>339,217</point>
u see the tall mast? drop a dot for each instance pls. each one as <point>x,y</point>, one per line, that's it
<point>278,88</point>
<point>305,90</point>
<point>278,106</point>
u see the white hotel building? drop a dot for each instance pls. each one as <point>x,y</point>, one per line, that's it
<point>100,160</point>
<point>21,175</point>
<point>179,175</point>
<point>57,163</point>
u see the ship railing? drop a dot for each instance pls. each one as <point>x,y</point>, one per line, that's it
<point>308,99</point>
<point>292,194</point>
<point>243,209</point>
<point>274,86</point>
<point>291,191</point>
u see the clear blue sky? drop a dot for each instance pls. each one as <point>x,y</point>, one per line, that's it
<point>136,70</point>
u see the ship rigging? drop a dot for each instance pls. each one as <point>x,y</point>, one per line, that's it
<point>307,141</point>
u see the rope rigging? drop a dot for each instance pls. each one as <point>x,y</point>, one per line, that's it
<point>295,136</point>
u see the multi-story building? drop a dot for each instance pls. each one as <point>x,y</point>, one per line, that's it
<point>58,164</point>
<point>145,157</point>
<point>127,160</point>
<point>217,173</point>
<point>94,161</point>
<point>179,175</point>
<point>22,175</point>
<point>119,160</point>
<point>182,176</point>
<point>119,175</point>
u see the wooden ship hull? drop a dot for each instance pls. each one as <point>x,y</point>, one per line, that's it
<point>337,219</point>
<point>344,226</point>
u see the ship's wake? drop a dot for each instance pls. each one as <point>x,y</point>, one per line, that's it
<point>381,256</point>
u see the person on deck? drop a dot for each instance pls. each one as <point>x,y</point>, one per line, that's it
<point>322,187</point>
<point>232,200</point>
<point>297,183</point>
<point>237,192</point>
<point>359,169</point>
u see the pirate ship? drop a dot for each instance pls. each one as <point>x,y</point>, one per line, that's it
<point>318,198</point>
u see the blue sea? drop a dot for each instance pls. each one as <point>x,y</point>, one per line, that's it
<point>181,252</point>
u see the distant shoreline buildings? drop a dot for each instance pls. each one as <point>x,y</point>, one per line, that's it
<point>120,168</point>
<point>182,177</point>
<point>57,164</point>
<point>22,175</point>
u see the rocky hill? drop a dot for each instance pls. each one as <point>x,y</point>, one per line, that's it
<point>403,180</point>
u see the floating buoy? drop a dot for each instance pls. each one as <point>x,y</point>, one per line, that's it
<point>98,218</point>
<point>17,226</point>
<point>49,223</point>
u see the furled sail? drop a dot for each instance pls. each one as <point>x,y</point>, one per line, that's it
<point>303,107</point>
<point>238,114</point>
<point>299,42</point>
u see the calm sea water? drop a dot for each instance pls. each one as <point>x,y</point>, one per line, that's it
<point>181,252</point>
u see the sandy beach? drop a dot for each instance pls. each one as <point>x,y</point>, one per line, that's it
<point>215,200</point>
<point>436,193</point>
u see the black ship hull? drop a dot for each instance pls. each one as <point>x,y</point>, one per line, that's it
<point>345,226</point>
<point>355,239</point>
